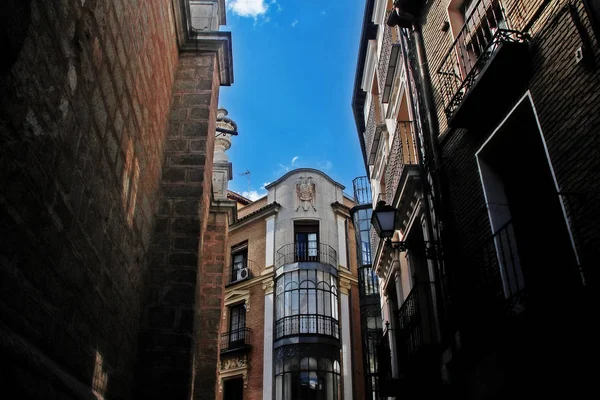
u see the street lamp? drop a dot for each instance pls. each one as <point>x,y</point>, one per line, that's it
<point>383,220</point>
<point>402,14</point>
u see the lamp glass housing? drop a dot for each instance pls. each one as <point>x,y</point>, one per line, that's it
<point>384,220</point>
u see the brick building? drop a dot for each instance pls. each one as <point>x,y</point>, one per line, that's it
<point>291,315</point>
<point>107,214</point>
<point>478,125</point>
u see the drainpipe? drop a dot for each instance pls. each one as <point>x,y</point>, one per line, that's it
<point>421,78</point>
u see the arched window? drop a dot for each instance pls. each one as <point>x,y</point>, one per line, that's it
<point>307,373</point>
<point>306,303</point>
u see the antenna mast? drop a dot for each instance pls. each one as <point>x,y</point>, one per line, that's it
<point>247,173</point>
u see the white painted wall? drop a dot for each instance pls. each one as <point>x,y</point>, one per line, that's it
<point>268,349</point>
<point>327,192</point>
<point>341,230</point>
<point>270,242</point>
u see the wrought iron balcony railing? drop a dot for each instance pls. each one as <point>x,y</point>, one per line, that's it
<point>403,152</point>
<point>389,60</point>
<point>238,339</point>
<point>306,252</point>
<point>416,323</point>
<point>306,324</point>
<point>368,282</point>
<point>485,31</point>
<point>244,271</point>
<point>500,284</point>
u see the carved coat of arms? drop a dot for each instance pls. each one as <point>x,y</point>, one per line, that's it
<point>305,193</point>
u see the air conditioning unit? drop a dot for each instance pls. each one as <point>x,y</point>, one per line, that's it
<point>242,274</point>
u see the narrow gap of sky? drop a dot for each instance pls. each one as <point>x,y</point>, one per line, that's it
<point>294,65</point>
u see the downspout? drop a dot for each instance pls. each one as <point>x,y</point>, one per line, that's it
<point>419,71</point>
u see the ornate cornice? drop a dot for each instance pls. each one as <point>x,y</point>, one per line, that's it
<point>233,366</point>
<point>346,280</point>
<point>192,40</point>
<point>268,286</point>
<point>340,209</point>
<point>308,170</point>
<point>263,212</point>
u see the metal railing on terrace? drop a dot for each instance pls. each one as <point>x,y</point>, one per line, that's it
<point>306,324</point>
<point>389,60</point>
<point>485,29</point>
<point>416,325</point>
<point>236,339</point>
<point>499,282</point>
<point>403,152</point>
<point>306,252</point>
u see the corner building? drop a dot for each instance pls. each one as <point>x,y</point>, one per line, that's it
<point>291,315</point>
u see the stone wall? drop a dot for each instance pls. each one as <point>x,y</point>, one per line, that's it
<point>85,92</point>
<point>182,218</point>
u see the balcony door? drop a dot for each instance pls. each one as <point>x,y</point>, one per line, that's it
<point>237,324</point>
<point>233,389</point>
<point>306,241</point>
<point>531,235</point>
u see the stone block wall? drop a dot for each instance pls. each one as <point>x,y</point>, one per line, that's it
<point>208,307</point>
<point>85,93</point>
<point>167,339</point>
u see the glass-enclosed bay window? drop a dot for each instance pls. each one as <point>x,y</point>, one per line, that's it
<point>307,372</point>
<point>306,303</point>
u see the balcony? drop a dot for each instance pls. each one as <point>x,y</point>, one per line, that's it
<point>306,252</point>
<point>388,385</point>
<point>389,60</point>
<point>237,340</point>
<point>403,157</point>
<point>248,270</point>
<point>303,324</point>
<point>486,68</point>
<point>499,282</point>
<point>416,326</point>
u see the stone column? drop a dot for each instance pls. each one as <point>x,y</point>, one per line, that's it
<point>268,342</point>
<point>222,171</point>
<point>342,240</point>
<point>346,339</point>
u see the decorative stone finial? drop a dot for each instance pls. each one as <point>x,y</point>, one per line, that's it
<point>222,171</point>
<point>223,141</point>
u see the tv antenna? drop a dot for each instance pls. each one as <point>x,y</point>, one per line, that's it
<point>247,173</point>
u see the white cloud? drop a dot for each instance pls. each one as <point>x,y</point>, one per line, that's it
<point>253,195</point>
<point>294,160</point>
<point>264,184</point>
<point>248,8</point>
<point>294,23</point>
<point>325,165</point>
<point>323,12</point>
<point>284,168</point>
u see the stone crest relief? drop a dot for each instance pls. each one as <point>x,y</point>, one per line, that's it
<point>233,363</point>
<point>305,193</point>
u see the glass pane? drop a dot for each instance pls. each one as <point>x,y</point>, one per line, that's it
<point>279,387</point>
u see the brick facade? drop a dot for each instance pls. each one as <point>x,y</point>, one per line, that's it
<point>254,233</point>
<point>565,97</point>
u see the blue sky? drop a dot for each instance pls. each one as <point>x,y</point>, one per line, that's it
<point>294,66</point>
